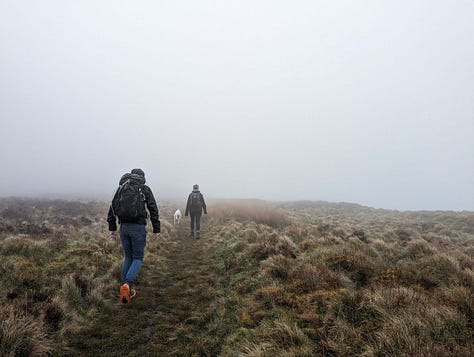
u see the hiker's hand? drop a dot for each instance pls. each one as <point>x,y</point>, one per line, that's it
<point>113,235</point>
<point>157,235</point>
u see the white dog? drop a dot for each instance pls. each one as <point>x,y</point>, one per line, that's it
<point>177,217</point>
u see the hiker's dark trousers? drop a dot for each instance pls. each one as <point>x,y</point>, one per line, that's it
<point>196,218</point>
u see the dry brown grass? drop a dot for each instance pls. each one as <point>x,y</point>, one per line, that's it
<point>248,211</point>
<point>22,335</point>
<point>377,289</point>
<point>265,280</point>
<point>53,279</point>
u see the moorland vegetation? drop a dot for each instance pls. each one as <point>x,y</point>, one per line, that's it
<point>266,279</point>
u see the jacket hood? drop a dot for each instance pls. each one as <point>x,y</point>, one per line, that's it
<point>196,191</point>
<point>132,177</point>
<point>138,172</point>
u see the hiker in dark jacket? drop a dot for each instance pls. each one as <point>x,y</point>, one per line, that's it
<point>128,206</point>
<point>195,206</point>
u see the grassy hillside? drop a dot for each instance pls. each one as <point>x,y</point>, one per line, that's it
<point>281,279</point>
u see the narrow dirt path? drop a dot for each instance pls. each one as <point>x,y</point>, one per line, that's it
<point>175,286</point>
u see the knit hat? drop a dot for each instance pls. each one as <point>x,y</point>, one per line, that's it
<point>138,172</point>
<point>196,187</point>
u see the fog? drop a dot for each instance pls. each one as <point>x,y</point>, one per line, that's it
<point>369,102</point>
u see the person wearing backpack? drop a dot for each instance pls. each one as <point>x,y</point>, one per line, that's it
<point>194,207</point>
<point>129,205</point>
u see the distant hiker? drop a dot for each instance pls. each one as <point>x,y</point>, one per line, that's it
<point>195,206</point>
<point>128,205</point>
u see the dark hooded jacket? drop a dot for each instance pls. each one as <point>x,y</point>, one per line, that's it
<point>149,201</point>
<point>194,210</point>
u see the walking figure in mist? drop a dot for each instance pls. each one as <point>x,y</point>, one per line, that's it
<point>128,206</point>
<point>194,207</point>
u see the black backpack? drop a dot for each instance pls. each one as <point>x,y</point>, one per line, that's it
<point>196,203</point>
<point>128,203</point>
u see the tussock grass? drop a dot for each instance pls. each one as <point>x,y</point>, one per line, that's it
<point>273,244</point>
<point>22,335</point>
<point>355,288</point>
<point>53,278</point>
<point>290,279</point>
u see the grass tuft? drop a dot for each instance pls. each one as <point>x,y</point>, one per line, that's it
<point>21,335</point>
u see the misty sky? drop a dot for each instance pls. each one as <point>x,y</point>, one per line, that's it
<point>369,102</point>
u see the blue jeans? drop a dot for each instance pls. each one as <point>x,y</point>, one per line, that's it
<point>133,237</point>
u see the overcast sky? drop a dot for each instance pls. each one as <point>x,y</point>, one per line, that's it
<point>369,102</point>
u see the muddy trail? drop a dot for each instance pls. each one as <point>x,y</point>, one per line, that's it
<point>176,287</point>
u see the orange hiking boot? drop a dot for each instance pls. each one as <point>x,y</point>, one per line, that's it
<point>125,294</point>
